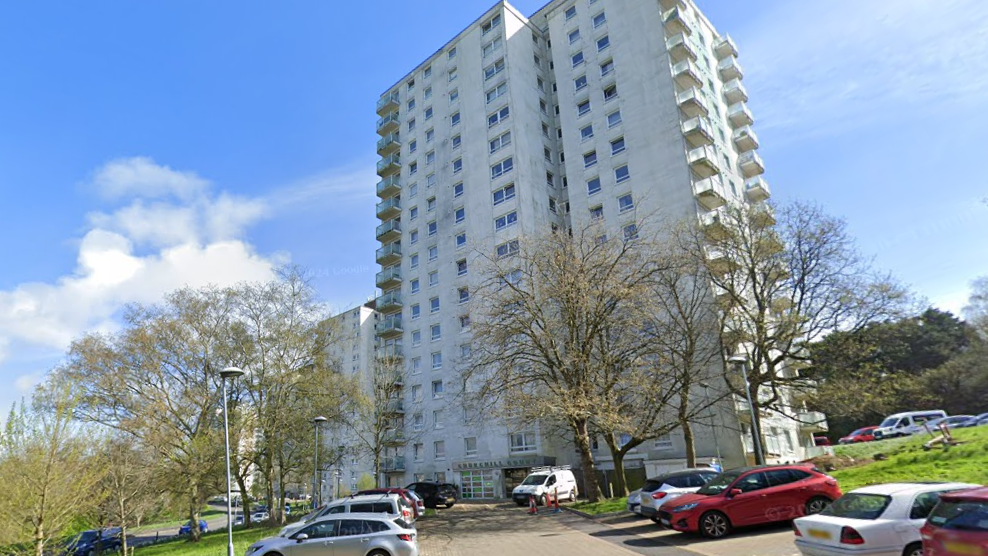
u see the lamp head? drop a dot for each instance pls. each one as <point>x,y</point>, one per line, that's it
<point>319,420</point>
<point>738,359</point>
<point>232,372</point>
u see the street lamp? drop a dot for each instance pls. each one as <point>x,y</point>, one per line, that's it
<point>315,464</point>
<point>231,373</point>
<point>713,428</point>
<point>742,362</point>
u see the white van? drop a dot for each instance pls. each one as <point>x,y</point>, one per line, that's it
<point>906,424</point>
<point>545,480</point>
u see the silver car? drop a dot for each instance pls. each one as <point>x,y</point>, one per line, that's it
<point>658,490</point>
<point>353,534</point>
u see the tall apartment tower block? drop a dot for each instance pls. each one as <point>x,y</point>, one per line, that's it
<point>588,109</point>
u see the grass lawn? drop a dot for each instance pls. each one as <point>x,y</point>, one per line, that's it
<point>907,461</point>
<point>212,544</point>
<point>605,506</point>
<point>208,512</point>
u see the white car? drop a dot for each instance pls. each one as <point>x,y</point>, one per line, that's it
<point>634,502</point>
<point>544,481</point>
<point>880,520</point>
<point>658,490</point>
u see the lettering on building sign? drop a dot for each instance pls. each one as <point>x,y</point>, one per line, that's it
<point>494,464</point>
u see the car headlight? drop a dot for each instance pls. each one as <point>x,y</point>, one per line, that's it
<point>252,549</point>
<point>685,507</point>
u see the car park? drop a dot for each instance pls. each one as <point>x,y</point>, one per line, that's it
<point>344,535</point>
<point>634,502</point>
<point>544,481</point>
<point>905,424</point>
<point>435,494</point>
<point>663,489</point>
<point>864,434</point>
<point>958,525</point>
<point>879,520</point>
<point>387,504</point>
<point>186,529</point>
<point>751,496</point>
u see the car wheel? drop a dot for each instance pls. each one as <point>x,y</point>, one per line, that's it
<point>542,501</point>
<point>379,553</point>
<point>450,505</point>
<point>816,505</point>
<point>714,525</point>
<point>655,519</point>
<point>914,549</point>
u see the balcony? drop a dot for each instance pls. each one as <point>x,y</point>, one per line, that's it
<point>719,262</point>
<point>389,254</point>
<point>389,302</point>
<point>388,165</point>
<point>713,224</point>
<point>389,186</point>
<point>723,298</point>
<point>763,215</point>
<point>756,189</point>
<point>670,4</point>
<point>393,351</point>
<point>729,69</point>
<point>698,132</point>
<point>393,465</point>
<point>686,75</point>
<point>388,103</point>
<point>389,207</point>
<point>393,436</point>
<point>394,405</point>
<point>680,49</point>
<point>389,327</point>
<point>389,277</point>
<point>388,144</point>
<point>725,47</point>
<point>674,22</point>
<point>692,104</point>
<point>734,92</point>
<point>388,123</point>
<point>745,139</point>
<point>812,421</point>
<point>739,115</point>
<point>710,193</point>
<point>389,231</point>
<point>751,164</point>
<point>703,161</point>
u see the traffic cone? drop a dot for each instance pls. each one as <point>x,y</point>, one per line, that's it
<point>532,505</point>
<point>555,500</point>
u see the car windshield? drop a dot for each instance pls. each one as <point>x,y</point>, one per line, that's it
<point>535,479</point>
<point>890,422</point>
<point>961,515</point>
<point>651,485</point>
<point>858,432</point>
<point>719,483</point>
<point>312,514</point>
<point>858,506</point>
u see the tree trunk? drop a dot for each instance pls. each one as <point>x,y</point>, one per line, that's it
<point>690,442</point>
<point>39,540</point>
<point>620,482</point>
<point>244,502</point>
<point>756,427</point>
<point>194,532</point>
<point>582,438</point>
<point>377,469</point>
<point>123,538</point>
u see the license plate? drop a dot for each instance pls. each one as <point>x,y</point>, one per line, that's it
<point>818,534</point>
<point>962,548</point>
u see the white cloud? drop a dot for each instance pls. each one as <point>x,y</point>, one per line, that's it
<point>141,176</point>
<point>24,384</point>
<point>343,185</point>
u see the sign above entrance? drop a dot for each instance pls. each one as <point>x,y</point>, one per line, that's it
<point>530,461</point>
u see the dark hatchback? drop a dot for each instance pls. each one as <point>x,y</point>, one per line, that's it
<point>88,543</point>
<point>436,494</point>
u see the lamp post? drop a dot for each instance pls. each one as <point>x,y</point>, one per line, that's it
<point>713,428</point>
<point>231,373</point>
<point>742,362</point>
<point>316,490</point>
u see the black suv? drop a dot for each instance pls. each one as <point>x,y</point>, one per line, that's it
<point>435,494</point>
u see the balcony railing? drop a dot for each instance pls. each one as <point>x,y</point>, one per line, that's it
<point>393,351</point>
<point>389,207</point>
<point>388,103</point>
<point>710,192</point>
<point>394,406</point>
<point>713,223</point>
<point>734,92</point>
<point>389,277</point>
<point>756,189</point>
<point>394,436</point>
<point>751,164</point>
<point>725,47</point>
<point>388,144</point>
<point>686,75</point>
<point>388,165</point>
<point>691,103</point>
<point>698,132</point>
<point>719,262</point>
<point>389,327</point>
<point>812,421</point>
<point>389,302</point>
<point>674,21</point>
<point>680,49</point>
<point>670,4</point>
<point>703,161</point>
<point>389,186</point>
<point>391,465</point>
<point>745,139</point>
<point>389,230</point>
<point>389,254</point>
<point>388,123</point>
<point>730,69</point>
<point>739,115</point>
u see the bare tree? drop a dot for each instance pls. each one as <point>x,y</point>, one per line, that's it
<point>129,485</point>
<point>377,423</point>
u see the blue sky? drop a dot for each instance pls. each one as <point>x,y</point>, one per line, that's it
<point>147,145</point>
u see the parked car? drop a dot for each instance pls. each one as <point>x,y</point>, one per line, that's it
<point>419,504</point>
<point>875,520</point>
<point>351,533</point>
<point>406,494</point>
<point>86,543</point>
<point>258,517</point>
<point>544,480</point>
<point>436,494</point>
<point>865,434</point>
<point>634,502</point>
<point>751,496</point>
<point>388,504</point>
<point>820,440</point>
<point>187,528</point>
<point>905,424</point>
<point>933,425</point>
<point>975,421</point>
<point>958,525</point>
<point>660,490</point>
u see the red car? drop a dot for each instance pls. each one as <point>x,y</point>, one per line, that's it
<point>865,434</point>
<point>751,496</point>
<point>414,501</point>
<point>958,525</point>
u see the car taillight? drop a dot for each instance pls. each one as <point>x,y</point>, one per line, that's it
<point>658,495</point>
<point>405,537</point>
<point>849,536</point>
<point>796,529</point>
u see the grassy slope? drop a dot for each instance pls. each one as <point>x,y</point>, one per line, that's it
<point>907,461</point>
<point>212,544</point>
<point>603,507</point>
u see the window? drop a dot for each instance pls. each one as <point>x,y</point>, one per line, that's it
<point>427,94</point>
<point>411,104</point>
<point>415,260</point>
<point>498,117</point>
<point>630,232</point>
<point>417,393</point>
<point>500,142</point>
<point>456,141</point>
<point>589,159</point>
<point>610,93</point>
<point>606,68</point>
<point>461,267</point>
<point>412,146</point>
<point>457,165</point>
<point>663,442</point>
<point>586,133</point>
<point>494,69</point>
<point>544,108</point>
<point>458,189</point>
<point>513,277</point>
<point>625,202</point>
<point>540,84</point>
<point>460,214</point>
<point>430,157</point>
<point>492,47</point>
<point>603,43</point>
<point>416,311</point>
<point>454,120</point>
<point>522,442</point>
<point>413,213</point>
<point>411,124</point>
<point>470,446</point>
<point>545,130</point>
<point>464,322</point>
<point>491,24</point>
<point>614,118</point>
<point>416,341</point>
<point>552,204</point>
<point>418,422</point>
<point>570,13</point>
<point>413,168</point>
<point>437,363</point>
<point>451,75</point>
<point>464,294</point>
<point>580,82</point>
<point>433,279</point>
<point>454,96</point>
<point>550,179</point>
<point>418,451</point>
<point>497,92</point>
<point>434,305</point>
<point>431,204</point>
<point>414,285</point>
<point>437,418</point>
<point>465,351</point>
<point>439,448</point>
<point>430,135</point>
<point>574,36</point>
<point>583,108</point>
<point>428,113</point>
<point>502,222</point>
<point>413,190</point>
<point>599,20</point>
<point>621,174</point>
<point>577,59</point>
<point>507,249</point>
<point>433,253</point>
<point>617,146</point>
<point>433,229</point>
<point>461,240</point>
<point>503,194</point>
<point>593,186</point>
<point>597,212</point>
<point>502,168</point>
<point>538,61</point>
<point>427,72</point>
<point>451,54</point>
<point>430,180</point>
<point>411,85</point>
<point>437,332</point>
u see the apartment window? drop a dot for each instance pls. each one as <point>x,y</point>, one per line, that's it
<point>599,20</point>
<point>464,322</point>
<point>606,68</point>
<point>417,393</point>
<point>418,421</point>
<point>428,113</point>
<point>580,83</point>
<point>625,202</point>
<point>456,141</point>
<point>502,168</point>
<point>603,43</point>
<point>411,124</point>
<point>492,47</point>
<point>574,36</point>
<point>498,117</point>
<point>663,442</point>
<point>630,232</point>
<point>433,279</point>
<point>497,92</point>
<point>414,285</point>
<point>416,341</point>
<point>491,24</point>
<point>522,442</point>
<point>437,332</point>
<point>590,159</point>
<point>434,305</point>
<point>454,96</point>
<point>465,351</point>
<point>457,165</point>
<point>430,157</point>
<point>413,190</point>
<point>433,253</point>
<point>538,61</point>
<point>414,260</point>
<point>550,179</point>
<point>500,142</point>
<point>461,267</point>
<point>454,120</point>
<point>412,146</point>
<point>411,85</point>
<point>437,363</point>
<point>458,189</point>
<point>617,146</point>
<point>439,448</point>
<point>430,180</point>
<point>614,118</point>
<point>427,93</point>
<point>513,277</point>
<point>610,93</point>
<point>597,212</point>
<point>427,72</point>
<point>470,446</point>
<point>507,249</point>
<point>545,130</point>
<point>418,451</point>
<point>451,75</point>
<point>494,69</point>
<point>570,13</point>
<point>461,240</point>
<point>433,229</point>
<point>437,418</point>
<point>464,294</point>
<point>621,174</point>
<point>586,133</point>
<point>583,108</point>
<point>543,107</point>
<point>430,135</point>
<point>413,168</point>
<point>593,186</point>
<point>416,311</point>
<point>547,153</point>
<point>552,204</point>
<point>577,59</point>
<point>451,54</point>
<point>540,84</point>
<point>460,214</point>
<point>411,104</point>
<point>503,194</point>
<point>431,203</point>
<point>413,213</point>
<point>502,222</point>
